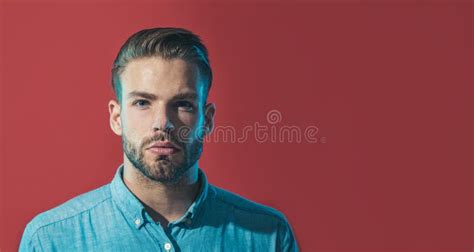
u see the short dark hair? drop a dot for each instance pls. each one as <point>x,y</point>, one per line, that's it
<point>166,42</point>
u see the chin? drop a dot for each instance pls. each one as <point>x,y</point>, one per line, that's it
<point>164,171</point>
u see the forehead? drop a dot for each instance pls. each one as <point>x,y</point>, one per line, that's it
<point>162,77</point>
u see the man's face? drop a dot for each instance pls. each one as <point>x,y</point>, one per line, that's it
<point>162,117</point>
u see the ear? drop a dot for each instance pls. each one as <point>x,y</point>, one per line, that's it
<point>115,121</point>
<point>209,112</point>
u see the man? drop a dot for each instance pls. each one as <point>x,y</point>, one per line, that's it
<point>159,199</point>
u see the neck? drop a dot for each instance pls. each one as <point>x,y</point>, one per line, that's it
<point>164,202</point>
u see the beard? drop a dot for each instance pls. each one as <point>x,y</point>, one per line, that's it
<point>167,169</point>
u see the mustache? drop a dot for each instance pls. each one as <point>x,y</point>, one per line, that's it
<point>161,137</point>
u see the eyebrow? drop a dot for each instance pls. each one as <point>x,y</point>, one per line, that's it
<point>190,95</point>
<point>146,95</point>
<point>150,96</point>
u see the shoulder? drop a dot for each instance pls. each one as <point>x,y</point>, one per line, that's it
<point>246,207</point>
<point>69,209</point>
<point>251,217</point>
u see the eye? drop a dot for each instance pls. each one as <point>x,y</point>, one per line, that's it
<point>185,105</point>
<point>141,103</point>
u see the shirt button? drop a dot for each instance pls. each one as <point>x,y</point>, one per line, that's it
<point>137,222</point>
<point>167,246</point>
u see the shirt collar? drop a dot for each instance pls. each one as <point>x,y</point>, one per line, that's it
<point>133,209</point>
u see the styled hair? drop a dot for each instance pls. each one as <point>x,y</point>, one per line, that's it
<point>168,43</point>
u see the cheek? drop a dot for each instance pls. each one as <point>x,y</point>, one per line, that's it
<point>134,124</point>
<point>188,125</point>
<point>190,120</point>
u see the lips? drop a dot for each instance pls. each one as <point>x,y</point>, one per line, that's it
<point>163,148</point>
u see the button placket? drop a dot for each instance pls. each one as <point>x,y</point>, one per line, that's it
<point>164,238</point>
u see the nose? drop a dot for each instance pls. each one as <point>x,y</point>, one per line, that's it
<point>162,121</point>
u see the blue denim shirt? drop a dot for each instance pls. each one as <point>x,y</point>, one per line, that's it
<point>111,218</point>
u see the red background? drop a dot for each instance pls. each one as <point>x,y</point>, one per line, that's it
<point>388,84</point>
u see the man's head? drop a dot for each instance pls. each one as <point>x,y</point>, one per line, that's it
<point>161,78</point>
